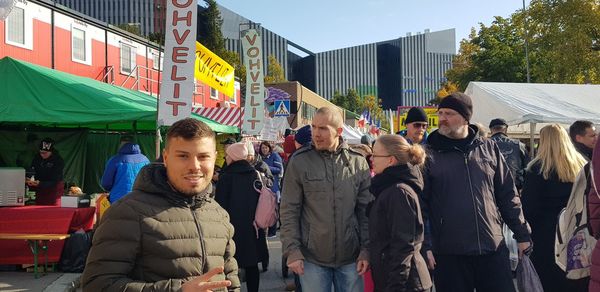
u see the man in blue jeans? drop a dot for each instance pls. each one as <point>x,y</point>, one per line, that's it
<point>324,228</point>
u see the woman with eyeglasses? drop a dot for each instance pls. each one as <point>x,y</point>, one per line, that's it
<point>395,222</point>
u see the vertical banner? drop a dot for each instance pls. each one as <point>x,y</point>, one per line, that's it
<point>177,89</point>
<point>254,109</point>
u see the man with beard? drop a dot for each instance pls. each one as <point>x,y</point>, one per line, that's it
<point>583,134</point>
<point>168,234</point>
<point>468,193</point>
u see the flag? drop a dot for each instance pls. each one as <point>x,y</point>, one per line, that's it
<point>362,119</point>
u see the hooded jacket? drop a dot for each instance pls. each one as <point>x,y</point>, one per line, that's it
<point>323,207</point>
<point>156,238</point>
<point>468,194</point>
<point>396,231</point>
<point>121,170</point>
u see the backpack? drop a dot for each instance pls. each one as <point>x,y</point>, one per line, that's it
<point>574,241</point>
<point>266,209</point>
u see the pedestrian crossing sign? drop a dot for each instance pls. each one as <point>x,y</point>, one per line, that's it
<point>282,108</point>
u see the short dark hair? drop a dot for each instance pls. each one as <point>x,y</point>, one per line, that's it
<point>579,128</point>
<point>190,129</point>
<point>268,145</point>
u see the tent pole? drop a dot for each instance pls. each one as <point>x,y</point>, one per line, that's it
<point>531,139</point>
<point>157,142</point>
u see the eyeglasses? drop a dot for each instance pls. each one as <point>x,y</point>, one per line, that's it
<point>375,156</point>
<point>420,125</point>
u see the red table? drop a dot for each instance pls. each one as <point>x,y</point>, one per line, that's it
<point>39,219</point>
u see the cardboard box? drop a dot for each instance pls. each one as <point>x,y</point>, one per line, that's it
<point>75,202</point>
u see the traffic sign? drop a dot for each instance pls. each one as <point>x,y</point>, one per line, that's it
<point>282,108</point>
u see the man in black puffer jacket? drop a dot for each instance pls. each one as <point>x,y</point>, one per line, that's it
<point>468,194</point>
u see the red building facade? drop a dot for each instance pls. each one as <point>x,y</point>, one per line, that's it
<point>39,33</point>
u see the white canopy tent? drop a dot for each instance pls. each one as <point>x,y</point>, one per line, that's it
<point>527,107</point>
<point>350,135</point>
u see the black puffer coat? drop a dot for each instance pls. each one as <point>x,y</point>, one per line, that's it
<point>396,231</point>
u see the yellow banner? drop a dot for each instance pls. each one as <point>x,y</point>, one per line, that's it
<point>432,118</point>
<point>213,71</point>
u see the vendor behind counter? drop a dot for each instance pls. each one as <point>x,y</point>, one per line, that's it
<point>47,174</point>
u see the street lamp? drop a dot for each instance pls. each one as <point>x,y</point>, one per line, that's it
<point>526,42</point>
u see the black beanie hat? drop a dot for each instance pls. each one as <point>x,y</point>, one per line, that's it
<point>459,102</point>
<point>415,114</point>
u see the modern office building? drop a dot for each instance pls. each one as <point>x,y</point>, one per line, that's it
<point>149,15</point>
<point>406,71</point>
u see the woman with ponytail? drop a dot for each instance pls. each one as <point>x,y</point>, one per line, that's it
<point>395,222</point>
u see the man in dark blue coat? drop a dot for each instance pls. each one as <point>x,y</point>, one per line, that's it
<point>122,169</point>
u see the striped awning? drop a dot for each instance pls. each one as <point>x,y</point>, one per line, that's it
<point>224,115</point>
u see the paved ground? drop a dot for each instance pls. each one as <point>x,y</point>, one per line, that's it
<point>65,282</point>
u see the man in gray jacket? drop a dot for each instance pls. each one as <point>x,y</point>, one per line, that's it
<point>324,228</point>
<point>468,193</point>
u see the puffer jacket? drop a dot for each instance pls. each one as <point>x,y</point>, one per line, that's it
<point>468,195</point>
<point>323,207</point>
<point>121,170</point>
<point>155,239</point>
<point>396,231</point>
<point>515,154</point>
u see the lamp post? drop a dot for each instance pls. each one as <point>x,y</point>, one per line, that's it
<point>526,42</point>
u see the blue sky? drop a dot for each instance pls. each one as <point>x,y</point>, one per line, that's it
<point>322,25</point>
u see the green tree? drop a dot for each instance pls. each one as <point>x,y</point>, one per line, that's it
<point>209,28</point>
<point>563,39</point>
<point>351,101</point>
<point>210,35</point>
<point>274,71</point>
<point>157,37</point>
<point>447,88</point>
<point>129,27</point>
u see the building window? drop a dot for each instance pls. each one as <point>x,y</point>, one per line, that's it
<point>18,28</point>
<point>128,55</point>
<point>78,44</point>
<point>156,61</point>
<point>15,26</point>
<point>214,94</point>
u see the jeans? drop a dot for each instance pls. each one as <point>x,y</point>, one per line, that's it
<point>318,278</point>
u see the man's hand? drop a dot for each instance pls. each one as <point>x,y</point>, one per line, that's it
<point>203,283</point>
<point>430,260</point>
<point>297,267</point>
<point>523,247</point>
<point>362,266</point>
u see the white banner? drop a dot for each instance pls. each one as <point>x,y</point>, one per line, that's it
<point>177,89</point>
<point>254,109</point>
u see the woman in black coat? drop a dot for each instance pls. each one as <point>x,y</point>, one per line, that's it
<point>395,222</point>
<point>236,194</point>
<point>548,181</point>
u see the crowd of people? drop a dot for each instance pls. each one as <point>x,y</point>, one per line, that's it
<point>402,213</point>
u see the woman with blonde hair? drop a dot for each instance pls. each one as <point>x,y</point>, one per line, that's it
<point>395,222</point>
<point>549,178</point>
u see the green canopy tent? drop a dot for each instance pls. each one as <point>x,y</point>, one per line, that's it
<point>80,113</point>
<point>42,96</point>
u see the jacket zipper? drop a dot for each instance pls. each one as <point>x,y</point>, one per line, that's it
<point>466,155</point>
<point>204,255</point>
